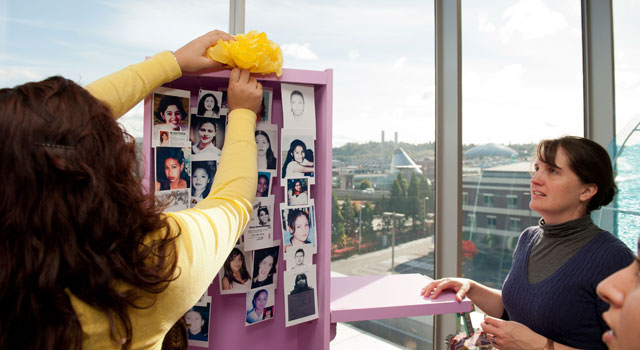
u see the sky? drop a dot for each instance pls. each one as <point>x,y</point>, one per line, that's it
<point>521,71</point>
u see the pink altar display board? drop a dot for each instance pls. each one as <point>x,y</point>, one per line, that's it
<point>340,299</point>
<point>227,328</point>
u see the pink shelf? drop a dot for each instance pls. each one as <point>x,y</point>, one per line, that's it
<point>360,298</point>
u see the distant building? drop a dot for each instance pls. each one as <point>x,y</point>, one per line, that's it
<point>495,205</point>
<point>489,155</point>
<point>401,162</point>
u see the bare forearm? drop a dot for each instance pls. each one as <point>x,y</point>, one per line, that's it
<point>487,299</point>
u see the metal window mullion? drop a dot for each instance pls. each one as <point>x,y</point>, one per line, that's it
<point>448,184</point>
<point>236,16</point>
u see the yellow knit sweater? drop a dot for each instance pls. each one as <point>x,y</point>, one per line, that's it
<point>208,232</point>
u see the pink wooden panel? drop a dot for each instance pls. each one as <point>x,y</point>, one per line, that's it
<point>227,329</point>
<point>358,298</point>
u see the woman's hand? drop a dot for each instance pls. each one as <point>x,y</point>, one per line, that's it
<point>459,285</point>
<point>193,56</point>
<point>508,335</point>
<point>244,91</point>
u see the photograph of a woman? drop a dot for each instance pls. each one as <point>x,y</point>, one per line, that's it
<point>299,225</point>
<point>202,175</point>
<point>297,192</point>
<point>209,103</point>
<point>298,161</point>
<point>298,106</point>
<point>265,263</point>
<point>264,113</point>
<point>266,156</point>
<point>204,138</point>
<point>235,277</point>
<point>264,180</point>
<point>164,138</point>
<point>171,113</point>
<point>171,169</point>
<point>259,305</point>
<point>263,216</point>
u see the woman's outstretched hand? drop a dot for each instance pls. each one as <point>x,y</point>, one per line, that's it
<point>192,57</point>
<point>459,285</point>
<point>244,91</point>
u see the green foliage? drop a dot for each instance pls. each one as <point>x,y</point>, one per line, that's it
<point>337,222</point>
<point>365,184</point>
<point>348,213</point>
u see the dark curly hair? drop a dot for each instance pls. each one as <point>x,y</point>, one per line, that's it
<point>588,160</point>
<point>73,218</point>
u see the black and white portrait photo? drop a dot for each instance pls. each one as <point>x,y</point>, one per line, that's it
<point>298,107</point>
<point>209,103</point>
<point>298,159</point>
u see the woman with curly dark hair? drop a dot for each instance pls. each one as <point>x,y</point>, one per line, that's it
<point>88,260</point>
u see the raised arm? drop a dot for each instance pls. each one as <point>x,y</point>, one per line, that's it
<point>124,89</point>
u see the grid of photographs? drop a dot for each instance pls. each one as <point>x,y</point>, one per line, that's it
<point>297,213</point>
<point>252,266</point>
<point>187,145</point>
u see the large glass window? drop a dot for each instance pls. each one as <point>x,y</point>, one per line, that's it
<point>86,40</point>
<point>521,82</point>
<point>627,88</point>
<point>382,58</point>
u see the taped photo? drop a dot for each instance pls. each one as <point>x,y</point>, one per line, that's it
<point>173,168</point>
<point>301,298</point>
<point>198,320</point>
<point>299,257</point>
<point>298,107</point>
<point>260,305</point>
<point>234,276</point>
<point>259,232</point>
<point>209,103</point>
<point>297,192</point>
<point>202,175</point>
<point>265,266</point>
<point>170,111</point>
<point>207,137</point>
<point>297,155</point>
<point>298,226</point>
<point>263,189</point>
<point>267,144</point>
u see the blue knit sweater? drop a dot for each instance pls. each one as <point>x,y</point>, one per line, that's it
<point>564,307</point>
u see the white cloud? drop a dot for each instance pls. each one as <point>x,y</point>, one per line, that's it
<point>353,55</point>
<point>484,26</point>
<point>530,19</point>
<point>299,52</point>
<point>14,75</point>
<point>399,63</point>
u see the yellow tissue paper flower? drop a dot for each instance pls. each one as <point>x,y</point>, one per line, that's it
<point>252,51</point>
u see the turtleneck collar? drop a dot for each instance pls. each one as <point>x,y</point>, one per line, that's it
<point>569,228</point>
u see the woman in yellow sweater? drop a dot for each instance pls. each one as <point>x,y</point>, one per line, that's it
<point>87,259</point>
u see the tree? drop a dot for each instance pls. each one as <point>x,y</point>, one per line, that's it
<point>414,202</point>
<point>348,213</point>
<point>368,233</point>
<point>337,222</point>
<point>397,197</point>
<point>365,184</point>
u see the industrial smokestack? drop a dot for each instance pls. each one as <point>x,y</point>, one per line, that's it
<point>395,137</point>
